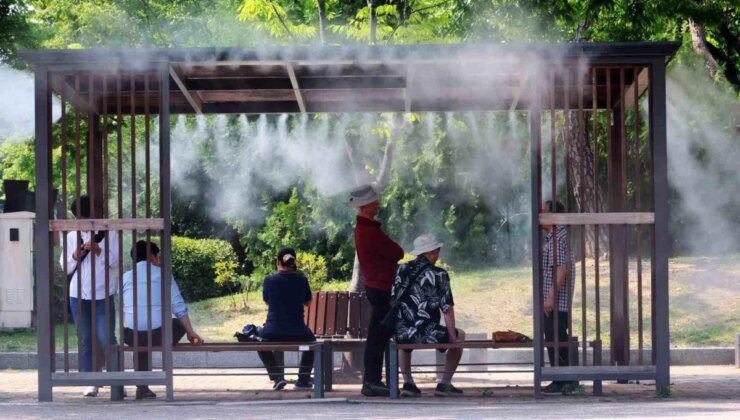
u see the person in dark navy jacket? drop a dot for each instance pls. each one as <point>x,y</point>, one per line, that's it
<point>285,294</point>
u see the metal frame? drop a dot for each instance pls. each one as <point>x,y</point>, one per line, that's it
<point>306,86</point>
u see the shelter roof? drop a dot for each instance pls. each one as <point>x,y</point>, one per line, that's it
<point>411,78</point>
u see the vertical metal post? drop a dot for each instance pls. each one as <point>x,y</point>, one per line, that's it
<point>164,171</point>
<point>660,197</point>
<point>535,134</point>
<point>42,235</point>
<point>319,353</point>
<point>393,369</point>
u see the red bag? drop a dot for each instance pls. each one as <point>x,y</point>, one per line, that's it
<point>510,336</point>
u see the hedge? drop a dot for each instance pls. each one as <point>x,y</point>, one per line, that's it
<point>194,266</point>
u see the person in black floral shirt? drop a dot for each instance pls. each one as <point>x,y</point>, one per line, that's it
<point>423,293</point>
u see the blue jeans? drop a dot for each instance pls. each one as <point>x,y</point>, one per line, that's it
<point>84,330</point>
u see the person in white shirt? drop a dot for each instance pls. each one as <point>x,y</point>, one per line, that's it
<point>139,326</point>
<point>87,263</point>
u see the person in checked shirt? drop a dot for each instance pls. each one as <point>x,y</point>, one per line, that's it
<point>558,283</point>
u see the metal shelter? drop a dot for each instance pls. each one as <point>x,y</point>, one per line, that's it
<point>587,103</point>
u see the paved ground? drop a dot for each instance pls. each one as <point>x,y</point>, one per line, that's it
<point>697,391</point>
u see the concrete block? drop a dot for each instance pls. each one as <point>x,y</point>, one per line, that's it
<point>190,360</point>
<point>15,360</point>
<point>702,356</point>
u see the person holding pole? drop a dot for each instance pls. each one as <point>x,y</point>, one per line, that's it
<point>87,261</point>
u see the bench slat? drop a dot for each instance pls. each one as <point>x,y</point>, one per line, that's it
<point>365,314</point>
<point>342,313</point>
<point>321,314</point>
<point>355,318</point>
<point>312,313</point>
<point>331,313</point>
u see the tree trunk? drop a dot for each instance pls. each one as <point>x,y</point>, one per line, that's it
<point>373,19</point>
<point>699,43</point>
<point>322,20</point>
<point>582,182</point>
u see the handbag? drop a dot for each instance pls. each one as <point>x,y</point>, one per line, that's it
<point>250,333</point>
<point>510,336</point>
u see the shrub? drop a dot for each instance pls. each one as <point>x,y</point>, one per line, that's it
<point>313,267</point>
<point>196,264</point>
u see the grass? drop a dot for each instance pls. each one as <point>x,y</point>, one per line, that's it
<point>704,302</point>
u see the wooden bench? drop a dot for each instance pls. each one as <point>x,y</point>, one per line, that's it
<point>316,347</point>
<point>340,321</point>
<point>472,344</point>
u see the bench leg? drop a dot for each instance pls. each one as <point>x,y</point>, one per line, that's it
<point>393,369</point>
<point>328,367</point>
<point>318,375</point>
<point>113,364</point>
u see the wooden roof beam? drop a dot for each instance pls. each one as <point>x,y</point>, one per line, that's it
<point>296,89</point>
<point>194,101</point>
<point>59,84</point>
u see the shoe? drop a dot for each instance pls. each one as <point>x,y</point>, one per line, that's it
<point>553,388</point>
<point>91,391</point>
<point>279,385</point>
<point>410,390</point>
<point>447,390</point>
<point>144,393</point>
<point>303,386</point>
<point>375,390</point>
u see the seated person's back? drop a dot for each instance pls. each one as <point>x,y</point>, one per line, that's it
<point>286,293</point>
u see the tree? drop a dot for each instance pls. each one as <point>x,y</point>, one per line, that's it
<point>16,32</point>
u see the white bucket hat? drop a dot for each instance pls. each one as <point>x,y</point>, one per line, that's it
<point>362,195</point>
<point>425,243</point>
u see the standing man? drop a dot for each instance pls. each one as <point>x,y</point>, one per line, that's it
<point>379,257</point>
<point>558,284</point>
<point>79,269</point>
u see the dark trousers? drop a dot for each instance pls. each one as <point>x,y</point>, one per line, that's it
<point>563,337</point>
<point>377,337</point>
<point>274,362</point>
<point>142,359</point>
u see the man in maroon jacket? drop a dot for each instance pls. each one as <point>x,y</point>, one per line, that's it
<point>379,257</point>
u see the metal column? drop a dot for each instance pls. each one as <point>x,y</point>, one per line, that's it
<point>535,132</point>
<point>42,243</point>
<point>164,169</point>
<point>660,197</point>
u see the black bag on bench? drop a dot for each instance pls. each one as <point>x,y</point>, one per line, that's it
<point>250,333</point>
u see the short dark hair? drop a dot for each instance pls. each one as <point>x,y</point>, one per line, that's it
<point>554,207</point>
<point>284,258</point>
<point>84,204</point>
<point>140,249</point>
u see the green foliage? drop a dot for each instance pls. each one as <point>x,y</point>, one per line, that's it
<point>197,263</point>
<point>225,272</point>
<point>313,267</point>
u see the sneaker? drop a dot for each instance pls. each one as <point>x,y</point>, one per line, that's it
<point>553,388</point>
<point>303,386</point>
<point>375,390</point>
<point>279,385</point>
<point>410,390</point>
<point>447,390</point>
<point>90,391</point>
<point>144,393</point>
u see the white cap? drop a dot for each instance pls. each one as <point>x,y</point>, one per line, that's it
<point>426,243</point>
<point>362,195</point>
